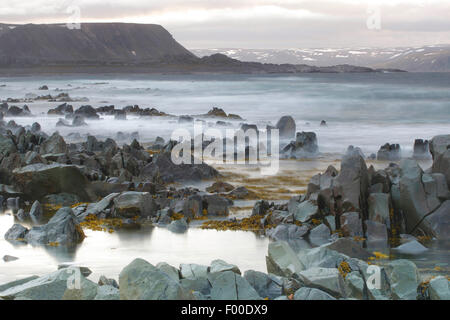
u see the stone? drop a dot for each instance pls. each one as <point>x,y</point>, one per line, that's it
<point>78,121</point>
<point>171,271</point>
<point>216,205</point>
<point>39,180</point>
<point>379,208</point>
<point>266,285</point>
<point>405,279</point>
<point>389,152</point>
<point>193,271</point>
<point>356,285</point>
<point>178,226</point>
<point>305,293</point>
<point>132,203</point>
<point>201,285</point>
<point>326,279</point>
<point>260,208</point>
<point>142,281</point>
<point>61,229</point>
<point>351,224</point>
<point>87,112</point>
<point>54,286</point>
<point>36,211</point>
<point>282,260</point>
<point>421,149</point>
<point>104,281</point>
<point>219,187</point>
<point>439,148</point>
<point>439,288</point>
<point>85,271</point>
<point>305,211</point>
<point>376,231</point>
<point>16,233</point>
<point>286,126</point>
<point>8,258</point>
<point>107,292</point>
<point>439,221</point>
<point>15,283</point>
<point>413,247</point>
<point>54,144</point>
<point>231,286</point>
<point>413,200</point>
<point>349,247</point>
<point>7,146</point>
<point>320,234</point>
<point>221,266</point>
<point>21,215</point>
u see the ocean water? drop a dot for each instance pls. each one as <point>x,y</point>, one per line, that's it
<point>365,110</point>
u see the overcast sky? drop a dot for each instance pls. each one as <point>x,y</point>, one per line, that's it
<point>259,23</point>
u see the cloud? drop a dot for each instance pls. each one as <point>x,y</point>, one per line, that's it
<point>259,23</point>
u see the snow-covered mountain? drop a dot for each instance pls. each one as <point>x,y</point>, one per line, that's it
<point>434,58</point>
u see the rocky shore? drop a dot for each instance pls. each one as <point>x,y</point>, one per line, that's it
<point>62,188</point>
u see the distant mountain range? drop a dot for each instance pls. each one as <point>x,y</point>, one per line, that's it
<point>127,47</point>
<point>415,59</point>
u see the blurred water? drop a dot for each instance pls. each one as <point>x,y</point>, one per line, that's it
<point>365,110</point>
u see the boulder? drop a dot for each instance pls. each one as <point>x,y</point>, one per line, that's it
<point>62,229</point>
<point>54,144</point>
<point>326,279</point>
<point>219,187</point>
<point>39,180</point>
<point>163,168</point>
<point>376,231</point>
<point>405,279</point>
<point>178,226</point>
<point>413,199</point>
<point>421,149</point>
<point>142,281</point>
<point>320,234</point>
<point>305,211</point>
<point>286,126</point>
<point>7,146</point>
<point>216,205</point>
<point>104,281</point>
<point>266,285</point>
<point>389,152</point>
<point>87,112</point>
<point>221,266</point>
<point>66,283</point>
<point>304,146</point>
<point>439,221</point>
<point>107,292</point>
<point>171,271</point>
<point>16,233</point>
<point>439,148</point>
<point>231,286</point>
<point>351,224</point>
<point>193,271</point>
<point>132,203</point>
<point>305,293</point>
<point>349,247</point>
<point>78,121</point>
<point>36,211</point>
<point>379,208</point>
<point>282,260</point>
<point>439,288</point>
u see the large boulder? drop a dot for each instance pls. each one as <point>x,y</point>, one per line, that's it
<point>231,286</point>
<point>439,288</point>
<point>216,205</point>
<point>267,285</point>
<point>282,260</point>
<point>304,146</point>
<point>413,199</point>
<point>305,211</point>
<point>163,168</point>
<point>286,126</point>
<point>132,203</point>
<point>379,208</point>
<point>405,279</point>
<point>54,144</point>
<point>67,283</point>
<point>38,180</point>
<point>326,279</point>
<point>7,146</point>
<point>16,233</point>
<point>351,185</point>
<point>62,229</point>
<point>439,221</point>
<point>389,152</point>
<point>439,148</point>
<point>141,280</point>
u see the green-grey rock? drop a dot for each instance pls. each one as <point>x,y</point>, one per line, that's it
<point>231,286</point>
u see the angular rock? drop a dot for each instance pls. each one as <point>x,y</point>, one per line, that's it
<point>221,266</point>
<point>16,233</point>
<point>411,247</point>
<point>404,278</point>
<point>142,281</point>
<point>107,292</point>
<point>439,221</point>
<point>178,226</point>
<point>267,285</point>
<point>312,294</point>
<point>287,127</point>
<point>326,279</point>
<point>379,208</point>
<point>376,231</point>
<point>305,211</point>
<point>439,288</point>
<point>231,286</point>
<point>282,260</point>
<point>132,203</point>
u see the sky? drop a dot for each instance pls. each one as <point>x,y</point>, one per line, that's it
<point>258,24</point>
